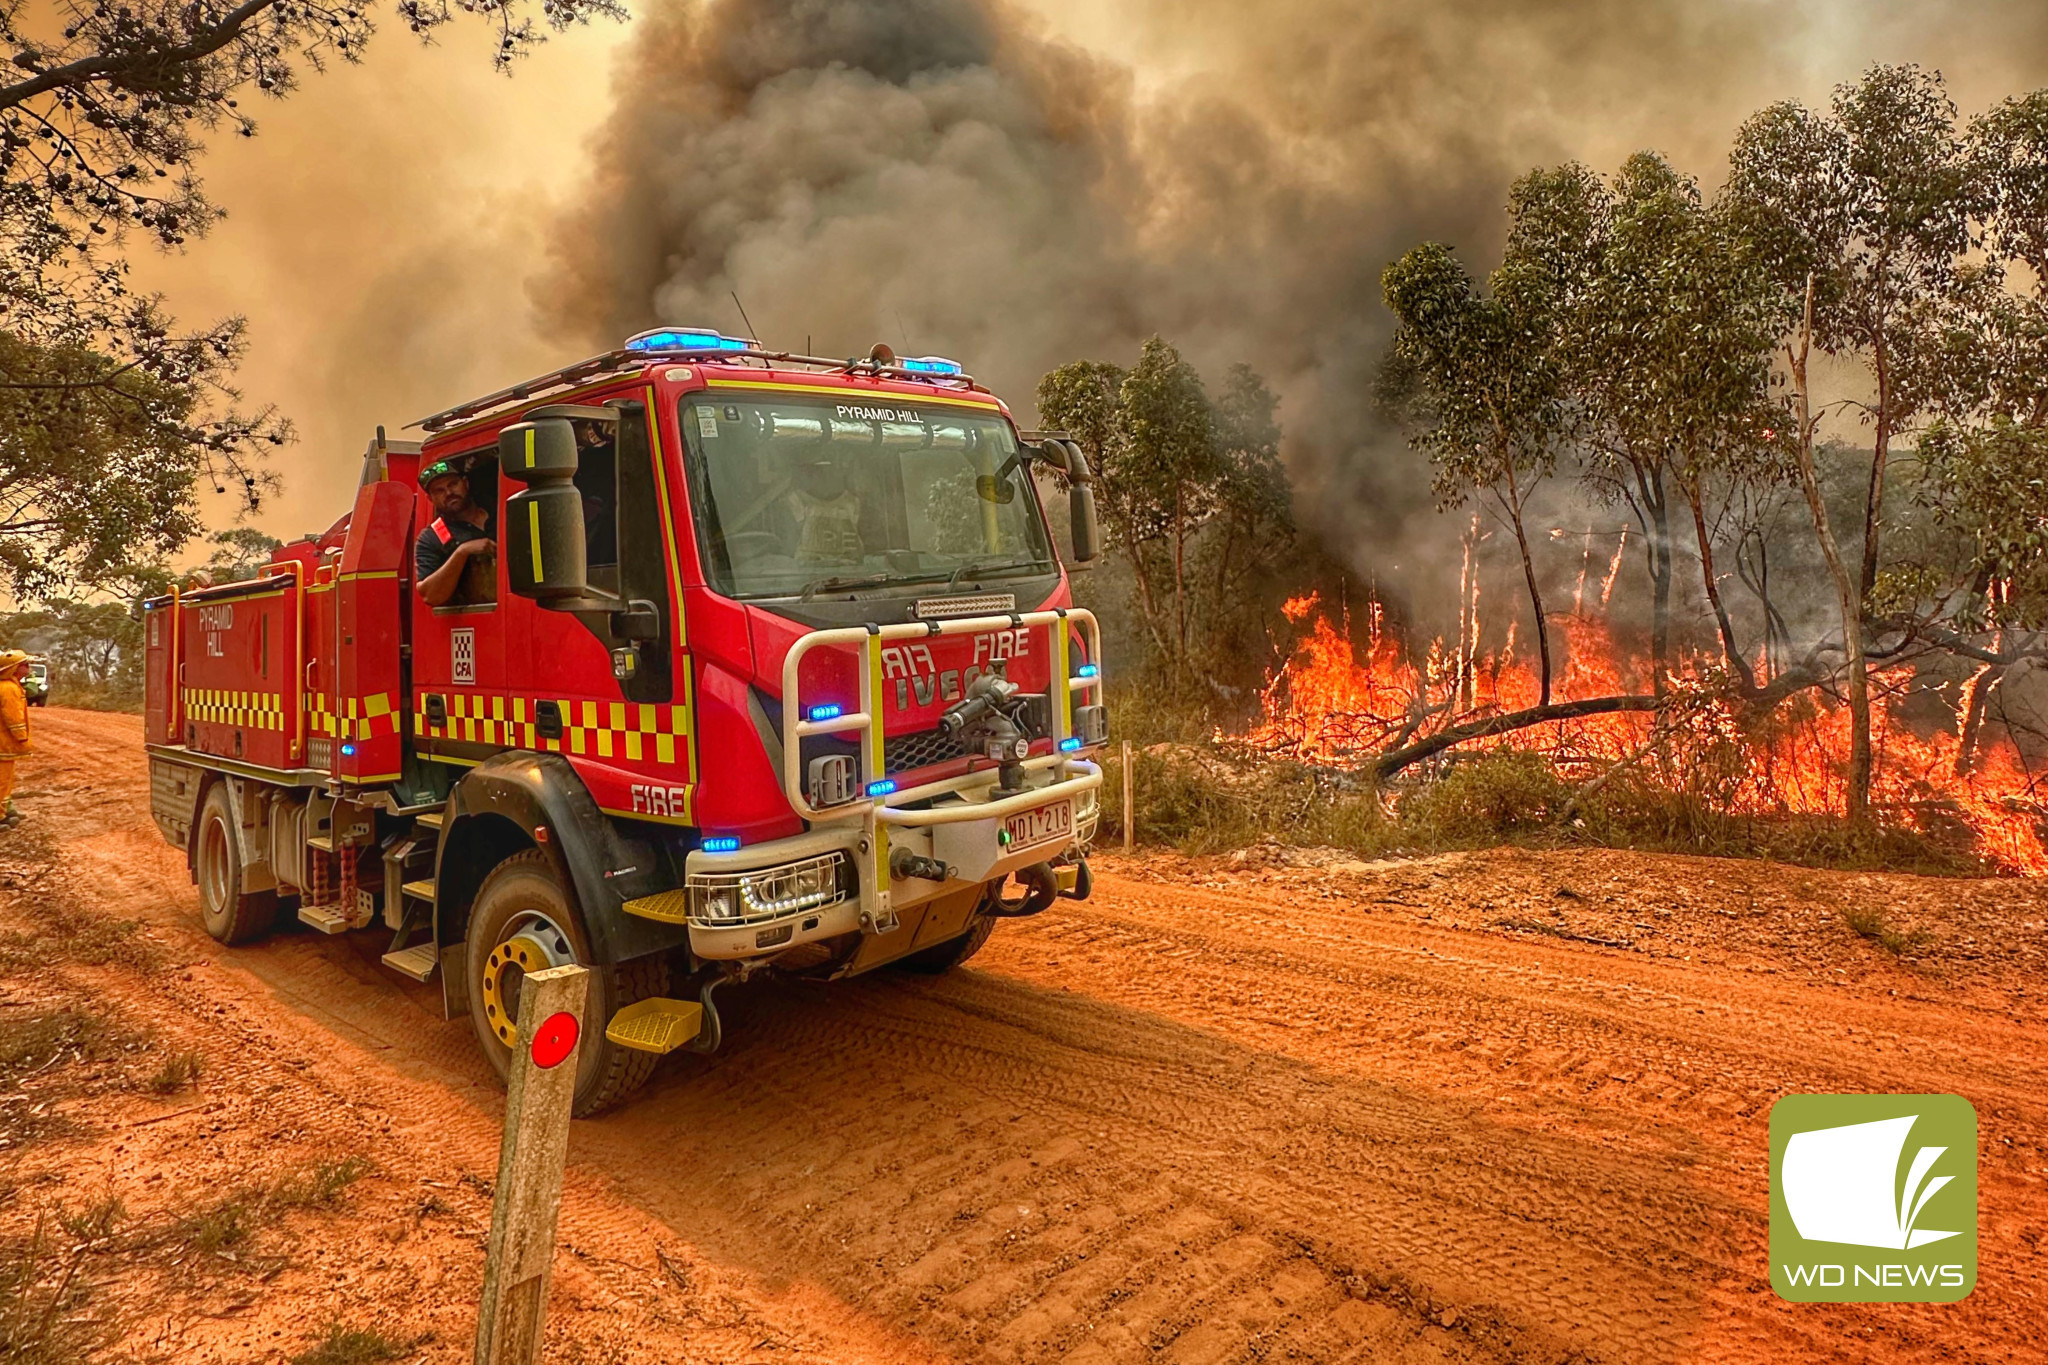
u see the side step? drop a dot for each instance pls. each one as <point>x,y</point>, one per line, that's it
<point>417,962</point>
<point>658,1025</point>
<point>428,820</point>
<point>330,919</point>
<point>422,890</point>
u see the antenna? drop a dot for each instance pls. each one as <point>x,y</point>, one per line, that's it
<point>743,314</point>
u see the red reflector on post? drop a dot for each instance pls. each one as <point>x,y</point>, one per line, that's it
<point>554,1040</point>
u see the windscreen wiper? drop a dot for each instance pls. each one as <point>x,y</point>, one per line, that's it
<point>981,568</point>
<point>842,583</point>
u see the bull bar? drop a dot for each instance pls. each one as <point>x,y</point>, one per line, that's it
<point>878,810</point>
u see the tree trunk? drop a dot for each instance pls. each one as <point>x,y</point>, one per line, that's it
<point>1535,593</point>
<point>1180,603</point>
<point>1849,600</point>
<point>1979,691</point>
<point>1873,505</point>
<point>1730,651</point>
<point>1659,508</point>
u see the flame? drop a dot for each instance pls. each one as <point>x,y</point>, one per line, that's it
<point>1345,697</point>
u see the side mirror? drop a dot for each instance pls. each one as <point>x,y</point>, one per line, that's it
<point>1081,505</point>
<point>992,489</point>
<point>544,539</point>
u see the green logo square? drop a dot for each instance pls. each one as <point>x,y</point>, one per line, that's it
<point>1873,1198</point>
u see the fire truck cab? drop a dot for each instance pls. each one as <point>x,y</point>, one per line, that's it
<point>772,664</point>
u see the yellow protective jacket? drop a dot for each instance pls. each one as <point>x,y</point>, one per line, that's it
<point>13,720</point>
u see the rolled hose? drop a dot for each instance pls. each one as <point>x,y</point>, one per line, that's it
<point>1042,888</point>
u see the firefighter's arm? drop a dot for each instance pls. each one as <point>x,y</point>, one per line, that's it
<point>14,712</point>
<point>440,585</point>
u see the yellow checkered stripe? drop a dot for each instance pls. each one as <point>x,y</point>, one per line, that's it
<point>638,732</point>
<point>250,710</point>
<point>372,717</point>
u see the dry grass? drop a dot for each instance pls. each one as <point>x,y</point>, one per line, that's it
<point>353,1346</point>
<point>1195,801</point>
<point>179,1070</point>
<point>1869,922</point>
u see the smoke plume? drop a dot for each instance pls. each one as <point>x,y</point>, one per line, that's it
<point>946,176</point>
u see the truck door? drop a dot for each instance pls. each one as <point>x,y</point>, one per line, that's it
<point>459,650</point>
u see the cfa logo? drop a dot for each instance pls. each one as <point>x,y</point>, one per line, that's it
<point>1873,1198</point>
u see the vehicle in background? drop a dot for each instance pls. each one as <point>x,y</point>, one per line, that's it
<point>35,682</point>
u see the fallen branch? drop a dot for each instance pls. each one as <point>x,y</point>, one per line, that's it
<point>1505,723</point>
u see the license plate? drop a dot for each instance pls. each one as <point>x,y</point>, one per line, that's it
<point>1040,826</point>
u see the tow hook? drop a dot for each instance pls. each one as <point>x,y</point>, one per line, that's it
<point>711,1034</point>
<point>1076,881</point>
<point>903,863</point>
<point>1043,887</point>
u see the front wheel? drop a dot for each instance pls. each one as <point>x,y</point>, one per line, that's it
<point>525,921</point>
<point>229,913</point>
<point>941,958</point>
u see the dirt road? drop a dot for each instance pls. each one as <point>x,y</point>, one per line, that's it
<point>1492,1107</point>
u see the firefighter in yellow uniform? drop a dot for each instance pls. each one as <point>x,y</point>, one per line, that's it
<point>13,729</point>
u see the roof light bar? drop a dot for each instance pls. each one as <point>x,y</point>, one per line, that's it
<point>694,340</point>
<point>931,364</point>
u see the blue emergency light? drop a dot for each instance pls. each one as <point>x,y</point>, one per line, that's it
<point>931,364</point>
<point>830,710</point>
<point>722,843</point>
<point>348,751</point>
<point>1086,671</point>
<point>882,788</point>
<point>1070,743</point>
<point>687,339</point>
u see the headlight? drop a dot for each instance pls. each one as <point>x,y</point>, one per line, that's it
<point>727,899</point>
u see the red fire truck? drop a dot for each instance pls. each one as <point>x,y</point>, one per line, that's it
<point>775,666</point>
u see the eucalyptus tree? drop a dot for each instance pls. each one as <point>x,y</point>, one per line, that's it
<point>1191,490</point>
<point>1678,333</point>
<point>1479,377</point>
<point>104,113</point>
<point>1862,216</point>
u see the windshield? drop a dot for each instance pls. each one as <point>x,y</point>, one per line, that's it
<point>797,498</point>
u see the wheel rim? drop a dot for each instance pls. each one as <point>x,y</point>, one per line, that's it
<point>213,865</point>
<point>532,942</point>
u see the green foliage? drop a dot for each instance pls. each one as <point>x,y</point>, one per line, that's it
<point>1191,495</point>
<point>95,649</point>
<point>1501,795</point>
<point>240,553</point>
<point>97,464</point>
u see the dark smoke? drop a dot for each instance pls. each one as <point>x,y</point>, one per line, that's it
<point>945,176</point>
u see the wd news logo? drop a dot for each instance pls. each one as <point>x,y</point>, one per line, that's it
<point>1873,1198</point>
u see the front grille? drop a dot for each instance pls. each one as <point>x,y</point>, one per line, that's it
<point>901,753</point>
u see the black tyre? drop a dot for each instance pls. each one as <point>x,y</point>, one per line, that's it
<point>229,913</point>
<point>526,920</point>
<point>941,958</point>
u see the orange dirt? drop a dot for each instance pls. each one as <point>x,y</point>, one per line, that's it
<point>1491,1107</point>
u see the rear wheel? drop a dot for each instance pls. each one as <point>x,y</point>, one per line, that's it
<point>525,921</point>
<point>229,913</point>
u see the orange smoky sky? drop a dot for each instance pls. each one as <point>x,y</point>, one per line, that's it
<point>1014,185</point>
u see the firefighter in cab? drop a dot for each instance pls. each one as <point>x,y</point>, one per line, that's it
<point>13,729</point>
<point>453,558</point>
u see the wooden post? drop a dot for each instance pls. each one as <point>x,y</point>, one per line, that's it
<point>1128,814</point>
<point>536,1147</point>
